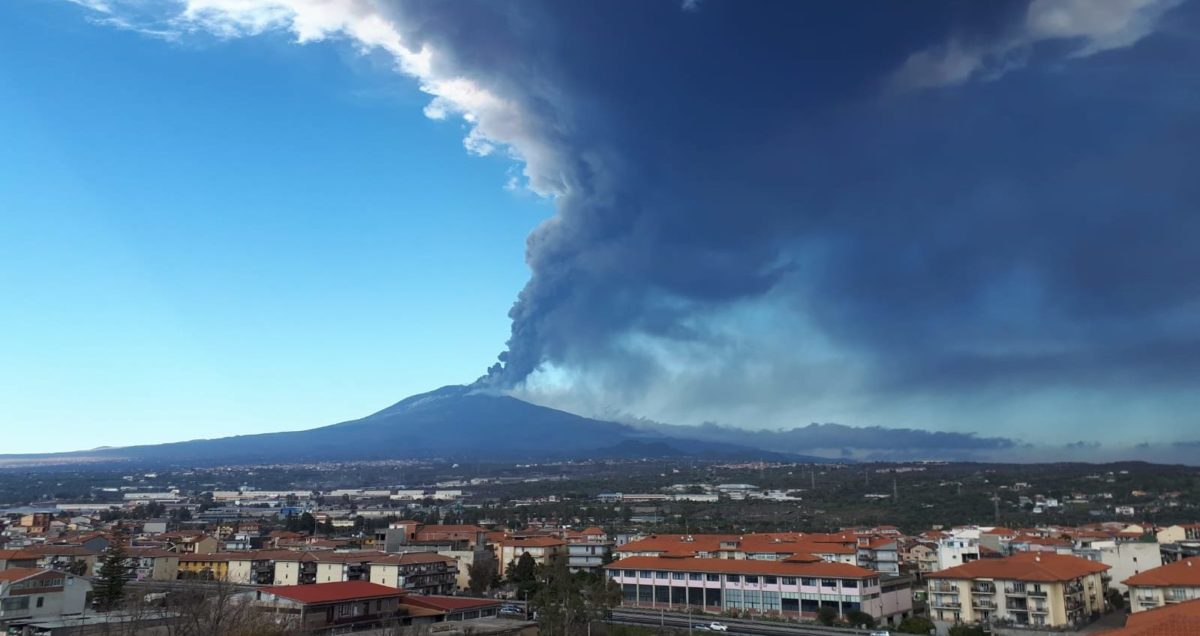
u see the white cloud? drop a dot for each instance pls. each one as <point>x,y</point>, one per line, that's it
<point>493,121</point>
<point>1093,26</point>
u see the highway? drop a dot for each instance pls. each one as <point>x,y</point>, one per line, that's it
<point>737,627</point>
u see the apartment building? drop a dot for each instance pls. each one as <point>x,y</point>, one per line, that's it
<point>541,549</point>
<point>417,572</point>
<point>793,588</point>
<point>588,549</point>
<point>1032,588</point>
<point>1172,583</point>
<point>879,554</point>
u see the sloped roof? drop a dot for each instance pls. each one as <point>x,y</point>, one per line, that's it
<point>1185,572</point>
<point>334,592</point>
<point>451,603</point>
<point>1182,619</point>
<point>1025,566</point>
<point>20,574</point>
<point>744,566</point>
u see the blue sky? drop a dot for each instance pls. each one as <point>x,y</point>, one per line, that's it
<point>226,236</point>
<point>227,216</point>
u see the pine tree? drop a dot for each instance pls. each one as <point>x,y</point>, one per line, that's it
<point>109,587</point>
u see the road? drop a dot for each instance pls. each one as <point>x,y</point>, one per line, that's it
<point>736,627</point>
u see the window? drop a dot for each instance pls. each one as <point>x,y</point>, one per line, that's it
<point>712,577</point>
<point>828,582</point>
<point>17,603</point>
<point>789,580</point>
<point>733,578</point>
<point>630,573</point>
<point>806,581</point>
<point>849,583</point>
<point>750,578</point>
<point>645,574</point>
<point>660,574</point>
<point>695,576</point>
<point>678,576</point>
<point>770,580</point>
<point>40,601</point>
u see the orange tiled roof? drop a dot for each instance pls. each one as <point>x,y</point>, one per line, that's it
<point>1170,620</point>
<point>1025,566</point>
<point>1185,572</point>
<point>532,542</point>
<point>744,566</point>
<point>19,574</point>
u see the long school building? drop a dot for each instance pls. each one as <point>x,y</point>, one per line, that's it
<point>782,588</point>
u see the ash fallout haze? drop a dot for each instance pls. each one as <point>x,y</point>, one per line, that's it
<point>964,226</point>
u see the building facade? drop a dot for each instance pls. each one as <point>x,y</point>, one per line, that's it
<point>1031,589</point>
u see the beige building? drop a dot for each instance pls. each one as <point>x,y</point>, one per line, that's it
<point>542,549</point>
<point>1172,583</point>
<point>1040,589</point>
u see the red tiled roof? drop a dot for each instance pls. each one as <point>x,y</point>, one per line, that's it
<point>1025,566</point>
<point>18,555</point>
<point>1184,573</point>
<point>451,603</point>
<point>61,550</point>
<point>533,542</point>
<point>320,593</point>
<point>744,566</point>
<point>458,528</point>
<point>18,574</point>
<point>1170,620</point>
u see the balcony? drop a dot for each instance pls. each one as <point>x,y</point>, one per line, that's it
<point>984,603</point>
<point>1015,591</point>
<point>984,588</point>
<point>1037,593</point>
<point>948,603</point>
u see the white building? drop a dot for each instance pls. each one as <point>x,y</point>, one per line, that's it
<point>31,594</point>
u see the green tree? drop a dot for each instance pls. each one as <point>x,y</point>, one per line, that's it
<point>109,586</point>
<point>827,615</point>
<point>860,619</point>
<point>524,574</point>
<point>915,625</point>
<point>966,630</point>
<point>483,572</point>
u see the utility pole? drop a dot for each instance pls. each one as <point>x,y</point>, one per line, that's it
<point>895,490</point>
<point>996,505</point>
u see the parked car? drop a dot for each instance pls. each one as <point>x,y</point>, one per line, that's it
<point>881,633</point>
<point>718,627</point>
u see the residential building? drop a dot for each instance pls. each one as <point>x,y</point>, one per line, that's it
<point>542,549</point>
<point>588,549</point>
<point>18,559</point>
<point>151,564</point>
<point>1172,583</point>
<point>324,607</point>
<point>782,588</point>
<point>417,572</point>
<point>35,594</point>
<point>1126,558</point>
<point>880,554</point>
<point>1030,588</point>
<point>957,550</point>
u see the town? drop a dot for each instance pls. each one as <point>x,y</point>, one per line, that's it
<point>563,548</point>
